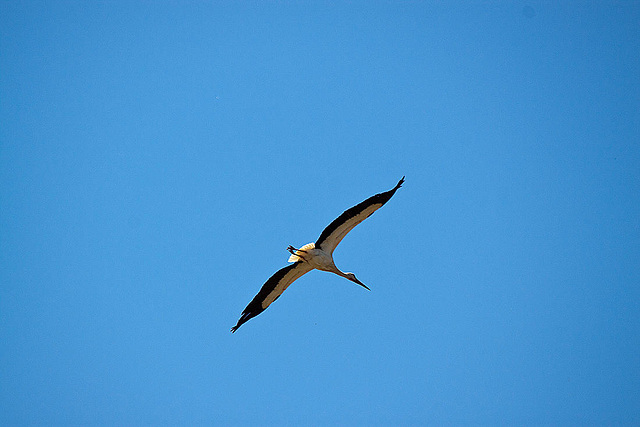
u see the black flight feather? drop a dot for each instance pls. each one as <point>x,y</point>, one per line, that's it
<point>380,198</point>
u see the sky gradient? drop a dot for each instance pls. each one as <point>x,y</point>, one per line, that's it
<point>157,158</point>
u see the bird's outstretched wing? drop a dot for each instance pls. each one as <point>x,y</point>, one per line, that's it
<point>272,289</point>
<point>335,232</point>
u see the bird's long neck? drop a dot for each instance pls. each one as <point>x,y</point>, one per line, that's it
<point>339,272</point>
<point>343,274</point>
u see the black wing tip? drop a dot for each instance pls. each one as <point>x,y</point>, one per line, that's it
<point>246,315</point>
<point>240,322</point>
<point>399,184</point>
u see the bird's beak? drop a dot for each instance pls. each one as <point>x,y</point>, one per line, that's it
<point>360,283</point>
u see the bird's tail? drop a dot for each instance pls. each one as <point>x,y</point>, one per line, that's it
<point>296,258</point>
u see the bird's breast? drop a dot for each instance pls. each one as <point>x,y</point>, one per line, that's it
<point>320,259</point>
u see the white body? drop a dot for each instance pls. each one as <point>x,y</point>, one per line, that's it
<point>316,258</point>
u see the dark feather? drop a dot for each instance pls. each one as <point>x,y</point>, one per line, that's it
<point>380,198</point>
<point>255,306</point>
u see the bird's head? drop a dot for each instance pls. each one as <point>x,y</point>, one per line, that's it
<point>354,279</point>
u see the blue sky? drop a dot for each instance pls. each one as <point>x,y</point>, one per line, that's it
<point>156,159</point>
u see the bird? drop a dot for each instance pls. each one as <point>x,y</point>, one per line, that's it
<point>318,255</point>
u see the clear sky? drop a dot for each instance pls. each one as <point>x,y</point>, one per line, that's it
<point>156,159</point>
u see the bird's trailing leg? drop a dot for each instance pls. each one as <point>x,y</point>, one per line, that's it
<point>294,250</point>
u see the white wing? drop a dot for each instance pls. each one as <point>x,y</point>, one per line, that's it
<point>335,232</point>
<point>272,289</point>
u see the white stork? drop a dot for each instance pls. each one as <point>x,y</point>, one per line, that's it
<point>315,255</point>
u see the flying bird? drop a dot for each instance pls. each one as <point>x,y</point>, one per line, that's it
<point>316,255</point>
